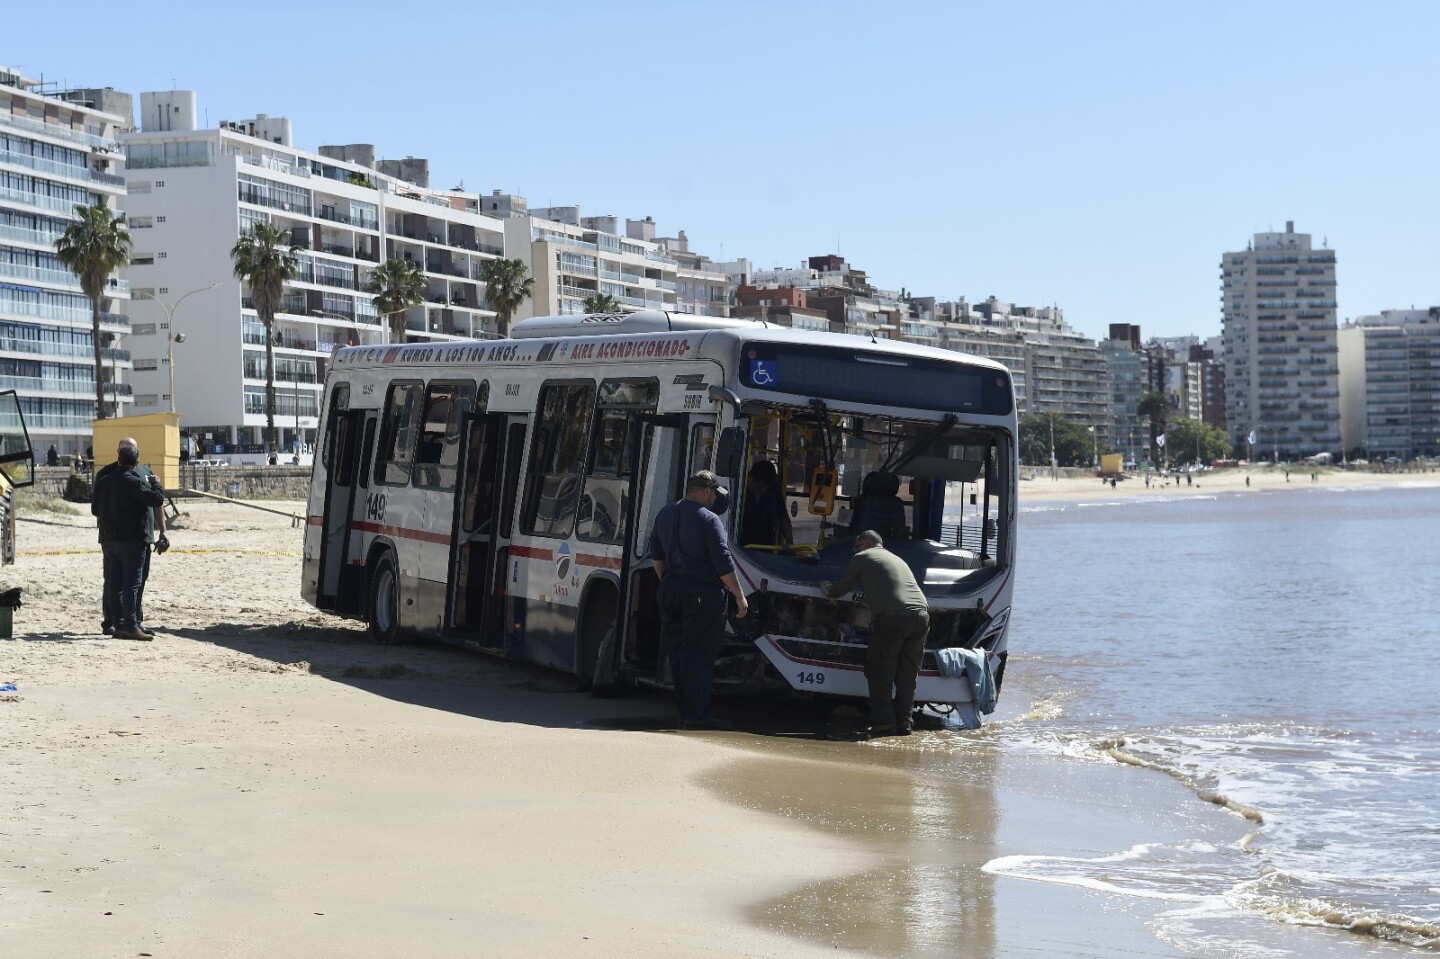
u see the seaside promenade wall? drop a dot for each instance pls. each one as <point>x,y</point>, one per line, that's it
<point>255,482</point>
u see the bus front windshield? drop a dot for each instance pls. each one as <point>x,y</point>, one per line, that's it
<point>814,479</point>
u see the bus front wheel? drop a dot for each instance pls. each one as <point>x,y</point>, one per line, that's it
<point>385,601</point>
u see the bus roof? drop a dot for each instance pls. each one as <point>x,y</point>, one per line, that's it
<point>603,324</point>
<point>716,333</point>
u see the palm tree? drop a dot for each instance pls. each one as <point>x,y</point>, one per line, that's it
<point>506,287</point>
<point>397,286</point>
<point>601,303</point>
<point>266,258</point>
<point>1157,408</point>
<point>93,247</point>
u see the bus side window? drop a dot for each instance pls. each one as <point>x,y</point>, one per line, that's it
<point>557,459</point>
<point>702,448</point>
<point>437,455</point>
<point>397,440</point>
<point>339,403</point>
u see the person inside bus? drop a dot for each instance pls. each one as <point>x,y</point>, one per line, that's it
<point>879,507</point>
<point>763,520</point>
<point>691,556</point>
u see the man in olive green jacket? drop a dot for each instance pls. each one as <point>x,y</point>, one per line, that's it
<point>897,633</point>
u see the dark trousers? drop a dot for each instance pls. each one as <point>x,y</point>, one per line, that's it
<point>692,627</point>
<point>124,576</point>
<point>897,644</point>
<point>107,605</point>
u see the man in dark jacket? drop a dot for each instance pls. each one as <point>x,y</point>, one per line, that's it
<point>691,555</point>
<point>154,524</point>
<point>122,501</point>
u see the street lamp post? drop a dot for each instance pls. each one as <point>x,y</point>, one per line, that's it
<point>1054,473</point>
<point>171,337</point>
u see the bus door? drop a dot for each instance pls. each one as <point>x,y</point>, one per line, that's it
<point>477,515</point>
<point>341,565</point>
<point>658,468</point>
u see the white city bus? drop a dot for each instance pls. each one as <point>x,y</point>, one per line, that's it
<point>501,493</point>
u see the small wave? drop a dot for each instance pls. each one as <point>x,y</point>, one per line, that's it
<point>1118,752</point>
<point>1390,927</point>
<point>1146,871</point>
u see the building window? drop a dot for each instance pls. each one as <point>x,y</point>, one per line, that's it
<point>143,365</point>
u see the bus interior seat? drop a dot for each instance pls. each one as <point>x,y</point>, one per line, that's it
<point>879,507</point>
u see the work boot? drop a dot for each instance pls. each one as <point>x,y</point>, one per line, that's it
<point>133,634</point>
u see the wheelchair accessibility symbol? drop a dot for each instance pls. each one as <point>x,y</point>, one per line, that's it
<point>762,372</point>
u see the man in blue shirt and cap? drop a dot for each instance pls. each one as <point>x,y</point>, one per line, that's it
<point>691,555</point>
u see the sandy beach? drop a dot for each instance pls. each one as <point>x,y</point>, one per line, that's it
<point>261,780</point>
<point>1036,483</point>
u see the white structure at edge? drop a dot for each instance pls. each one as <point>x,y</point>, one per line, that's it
<point>1390,384</point>
<point>56,152</point>
<point>192,193</point>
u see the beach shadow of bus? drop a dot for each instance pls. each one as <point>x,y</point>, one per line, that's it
<point>438,675</point>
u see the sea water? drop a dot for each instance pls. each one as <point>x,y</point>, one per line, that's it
<point>1276,652</point>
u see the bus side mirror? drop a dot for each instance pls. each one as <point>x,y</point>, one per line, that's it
<point>730,452</point>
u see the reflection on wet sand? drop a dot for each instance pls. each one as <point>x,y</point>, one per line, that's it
<point>925,806</point>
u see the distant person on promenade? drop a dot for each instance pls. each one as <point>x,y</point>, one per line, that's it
<point>123,502</point>
<point>691,555</point>
<point>897,633</point>
<point>154,523</point>
<point>52,456</point>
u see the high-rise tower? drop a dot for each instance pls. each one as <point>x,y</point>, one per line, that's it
<point>1281,370</point>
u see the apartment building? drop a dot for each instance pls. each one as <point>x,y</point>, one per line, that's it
<point>192,193</point>
<point>781,305</point>
<point>1390,384</point>
<point>1127,368</point>
<point>1061,371</point>
<point>574,257</point>
<point>1279,322</point>
<point>704,287</point>
<point>58,149</point>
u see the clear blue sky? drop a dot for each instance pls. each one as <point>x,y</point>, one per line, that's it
<point>1098,156</point>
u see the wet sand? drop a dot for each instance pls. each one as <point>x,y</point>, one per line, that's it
<point>263,781</point>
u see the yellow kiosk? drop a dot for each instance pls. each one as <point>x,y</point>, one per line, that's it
<point>158,435</point>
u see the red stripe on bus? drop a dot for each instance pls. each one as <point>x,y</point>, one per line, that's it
<point>401,532</point>
<point>315,520</point>
<point>531,552</point>
<point>595,559</point>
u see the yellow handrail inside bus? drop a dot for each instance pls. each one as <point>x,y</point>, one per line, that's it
<point>803,549</point>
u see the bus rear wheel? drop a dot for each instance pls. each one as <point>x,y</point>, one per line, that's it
<point>384,612</point>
